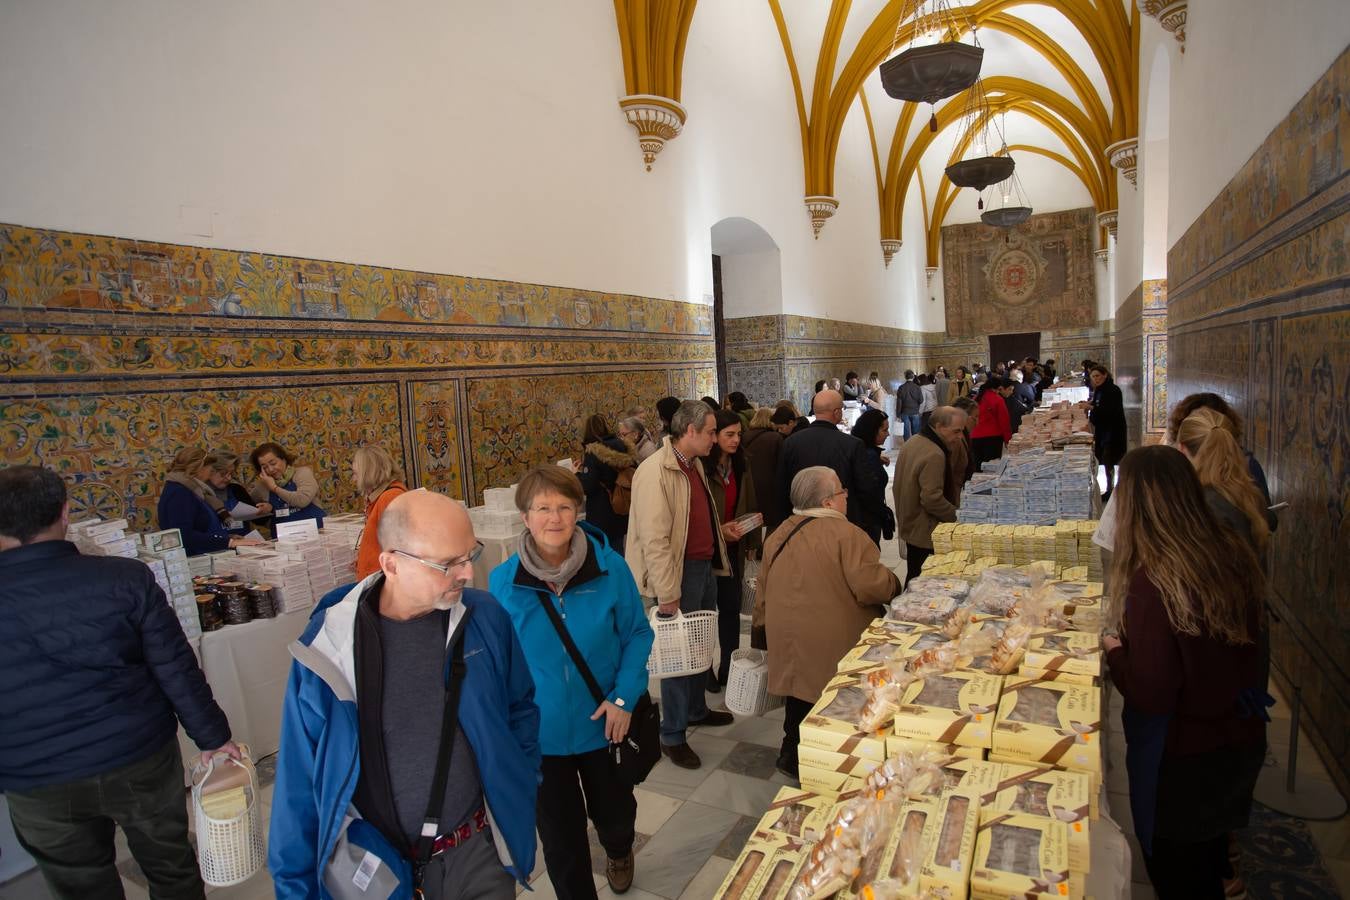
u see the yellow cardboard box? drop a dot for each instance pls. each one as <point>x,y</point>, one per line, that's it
<point>1066,677</point>
<point>765,870</point>
<point>1076,652</point>
<point>831,772</point>
<point>796,813</point>
<point>1042,791</point>
<point>953,708</point>
<point>1094,781</point>
<point>1021,856</point>
<point>832,724</point>
<point>946,865</point>
<point>1050,722</point>
<point>897,744</point>
<point>901,858</point>
<point>879,644</point>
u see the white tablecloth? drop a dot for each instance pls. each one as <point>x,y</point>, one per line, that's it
<point>247,666</point>
<point>495,552</point>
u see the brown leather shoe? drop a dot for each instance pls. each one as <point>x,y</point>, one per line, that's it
<point>682,755</point>
<point>715,718</point>
<point>619,873</point>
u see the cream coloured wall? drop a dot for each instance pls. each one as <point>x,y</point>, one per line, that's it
<point>1246,63</point>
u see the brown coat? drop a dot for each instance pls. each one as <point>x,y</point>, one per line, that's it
<point>816,598</point>
<point>920,500</point>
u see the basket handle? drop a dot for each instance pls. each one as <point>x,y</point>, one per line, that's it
<point>657,617</point>
<point>205,772</point>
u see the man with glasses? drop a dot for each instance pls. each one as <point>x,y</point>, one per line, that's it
<point>406,669</point>
<point>676,550</point>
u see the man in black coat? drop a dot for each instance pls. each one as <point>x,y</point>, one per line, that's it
<point>823,444</point>
<point>95,675</point>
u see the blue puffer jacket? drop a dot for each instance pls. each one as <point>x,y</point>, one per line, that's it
<point>203,532</point>
<point>95,672</point>
<point>316,843</point>
<point>603,613</point>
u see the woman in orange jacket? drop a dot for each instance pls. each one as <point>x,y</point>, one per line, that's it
<point>377,478</point>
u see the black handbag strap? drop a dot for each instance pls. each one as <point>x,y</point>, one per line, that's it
<point>572,650</point>
<point>791,534</point>
<point>431,823</point>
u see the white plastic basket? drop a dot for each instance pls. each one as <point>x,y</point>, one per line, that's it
<point>683,645</point>
<point>748,683</point>
<point>228,850</point>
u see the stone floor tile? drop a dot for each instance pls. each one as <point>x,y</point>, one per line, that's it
<point>708,879</point>
<point>739,793</point>
<point>653,810</point>
<point>676,853</point>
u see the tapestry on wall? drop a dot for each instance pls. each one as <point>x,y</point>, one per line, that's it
<point>1035,277</point>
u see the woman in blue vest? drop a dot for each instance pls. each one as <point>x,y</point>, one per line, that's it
<point>183,505</point>
<point>288,488</point>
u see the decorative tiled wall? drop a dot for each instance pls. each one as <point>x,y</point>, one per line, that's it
<point>115,353</point>
<point>1141,360</point>
<point>1259,311</point>
<point>1038,276</point>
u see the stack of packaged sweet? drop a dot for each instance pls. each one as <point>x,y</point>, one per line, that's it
<point>1052,427</point>
<point>1035,487</point>
<point>956,753</point>
<point>965,550</point>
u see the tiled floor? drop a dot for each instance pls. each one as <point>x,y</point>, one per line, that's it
<point>692,824</point>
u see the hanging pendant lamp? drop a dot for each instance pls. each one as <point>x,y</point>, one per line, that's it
<point>1014,208</point>
<point>929,73</point>
<point>980,135</point>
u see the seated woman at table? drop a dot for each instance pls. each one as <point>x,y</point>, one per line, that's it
<point>378,479</point>
<point>570,567</point>
<point>288,488</point>
<point>222,466</point>
<point>183,505</point>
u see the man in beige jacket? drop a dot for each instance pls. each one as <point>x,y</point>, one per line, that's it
<point>676,549</point>
<point>821,583</point>
<point>924,490</point>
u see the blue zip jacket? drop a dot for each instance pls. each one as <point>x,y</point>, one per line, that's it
<point>603,613</point>
<point>203,532</point>
<point>318,842</point>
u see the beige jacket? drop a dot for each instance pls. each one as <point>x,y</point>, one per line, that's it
<point>658,525</point>
<point>306,488</point>
<point>920,504</point>
<point>816,597</point>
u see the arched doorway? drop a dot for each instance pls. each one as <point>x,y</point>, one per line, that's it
<point>747,286</point>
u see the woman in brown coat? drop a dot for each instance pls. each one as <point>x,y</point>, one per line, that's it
<point>761,445</point>
<point>821,584</point>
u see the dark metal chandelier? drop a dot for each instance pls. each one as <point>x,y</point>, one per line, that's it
<point>982,137</point>
<point>929,73</point>
<point>1013,208</point>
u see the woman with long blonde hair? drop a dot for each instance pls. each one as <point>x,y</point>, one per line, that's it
<point>378,479</point>
<point>1209,440</point>
<point>1187,664</point>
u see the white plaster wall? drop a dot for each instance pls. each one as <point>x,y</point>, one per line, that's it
<point>752,284</point>
<point>480,139</point>
<point>1247,62</point>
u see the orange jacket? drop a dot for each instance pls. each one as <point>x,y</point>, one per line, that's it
<point>368,550</point>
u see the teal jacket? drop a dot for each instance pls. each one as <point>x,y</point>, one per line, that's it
<point>603,613</point>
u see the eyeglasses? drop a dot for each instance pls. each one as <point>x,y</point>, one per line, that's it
<point>548,512</point>
<point>448,567</point>
<point>841,491</point>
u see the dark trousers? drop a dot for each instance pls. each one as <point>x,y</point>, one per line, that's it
<point>682,698</point>
<point>728,618</point>
<point>572,788</point>
<point>471,871</point>
<point>1188,870</point>
<point>794,711</point>
<point>914,558</point>
<point>68,828</point>
<point>986,449</point>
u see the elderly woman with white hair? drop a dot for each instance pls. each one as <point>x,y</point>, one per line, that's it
<point>820,584</point>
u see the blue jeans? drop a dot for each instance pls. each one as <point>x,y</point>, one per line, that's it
<point>682,698</point>
<point>912,425</point>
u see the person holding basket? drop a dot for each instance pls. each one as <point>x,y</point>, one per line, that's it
<point>580,621</point>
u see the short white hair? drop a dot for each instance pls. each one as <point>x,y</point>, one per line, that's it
<point>812,486</point>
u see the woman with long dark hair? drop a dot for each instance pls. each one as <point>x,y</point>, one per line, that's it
<point>734,496</point>
<point>1108,423</point>
<point>872,428</point>
<point>1187,664</point>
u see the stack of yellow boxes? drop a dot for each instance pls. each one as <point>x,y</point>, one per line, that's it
<point>942,537</point>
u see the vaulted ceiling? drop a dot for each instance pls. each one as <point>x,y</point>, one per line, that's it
<point>1062,78</point>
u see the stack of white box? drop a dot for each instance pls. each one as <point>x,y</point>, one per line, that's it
<point>318,566</point>
<point>497,517</point>
<point>199,565</point>
<point>290,582</point>
<point>95,537</point>
<point>175,578</point>
<point>340,536</point>
<point>223,562</point>
<point>248,564</point>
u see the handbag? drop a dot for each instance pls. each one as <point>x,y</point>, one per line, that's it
<point>632,758</point>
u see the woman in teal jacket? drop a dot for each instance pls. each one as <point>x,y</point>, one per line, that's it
<point>572,567</point>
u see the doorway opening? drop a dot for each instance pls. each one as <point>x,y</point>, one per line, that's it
<point>747,280</point>
<point>1003,347</point>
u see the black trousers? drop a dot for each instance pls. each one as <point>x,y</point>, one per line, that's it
<point>1189,870</point>
<point>68,828</point>
<point>914,559</point>
<point>729,589</point>
<point>986,449</point>
<point>574,787</point>
<point>794,711</point>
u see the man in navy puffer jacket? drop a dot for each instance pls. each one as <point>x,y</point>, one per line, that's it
<point>95,675</point>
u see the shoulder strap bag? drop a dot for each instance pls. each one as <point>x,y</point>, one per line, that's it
<point>431,824</point>
<point>633,757</point>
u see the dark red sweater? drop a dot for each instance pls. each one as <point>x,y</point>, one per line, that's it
<point>701,542</point>
<point>994,421</point>
<point>1194,679</point>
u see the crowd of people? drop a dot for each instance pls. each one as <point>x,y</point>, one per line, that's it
<point>430,728</point>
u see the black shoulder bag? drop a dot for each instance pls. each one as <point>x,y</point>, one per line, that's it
<point>633,757</point>
<point>431,824</point>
